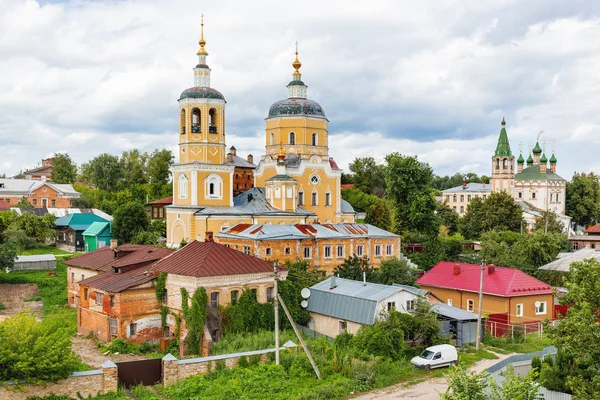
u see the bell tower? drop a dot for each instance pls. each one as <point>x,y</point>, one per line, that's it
<point>503,164</point>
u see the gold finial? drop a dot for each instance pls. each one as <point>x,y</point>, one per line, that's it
<point>297,64</point>
<point>202,42</point>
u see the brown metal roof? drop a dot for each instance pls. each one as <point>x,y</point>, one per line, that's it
<point>202,259</point>
<point>167,201</point>
<point>129,254</point>
<point>117,282</point>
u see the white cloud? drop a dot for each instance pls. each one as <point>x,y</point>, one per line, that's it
<point>428,78</point>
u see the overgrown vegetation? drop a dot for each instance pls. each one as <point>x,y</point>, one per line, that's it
<point>195,319</point>
<point>263,339</point>
<point>122,346</point>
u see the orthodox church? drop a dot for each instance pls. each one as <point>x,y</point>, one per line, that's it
<point>534,185</point>
<point>295,182</point>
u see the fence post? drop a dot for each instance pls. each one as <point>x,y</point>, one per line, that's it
<point>512,331</point>
<point>525,332</point>
<point>170,369</point>
<point>110,377</point>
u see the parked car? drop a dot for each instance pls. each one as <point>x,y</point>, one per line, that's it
<point>442,355</point>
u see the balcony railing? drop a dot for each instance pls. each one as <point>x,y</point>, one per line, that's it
<point>196,129</point>
<point>212,129</point>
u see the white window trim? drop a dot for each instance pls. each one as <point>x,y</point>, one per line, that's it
<point>472,306</point>
<point>309,253</point>
<point>519,310</point>
<point>325,251</point>
<point>337,251</point>
<point>377,250</point>
<point>359,250</point>
<point>391,249</point>
<point>545,309</point>
<point>182,181</point>
<point>218,182</point>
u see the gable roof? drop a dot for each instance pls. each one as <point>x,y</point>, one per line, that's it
<point>26,186</point>
<point>96,228</point>
<point>238,161</point>
<point>349,299</point>
<point>504,282</point>
<point>471,187</point>
<point>202,259</point>
<point>79,221</point>
<point>110,281</point>
<point>166,201</point>
<point>593,229</point>
<point>103,259</point>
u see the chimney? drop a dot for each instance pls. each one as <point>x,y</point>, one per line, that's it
<point>491,269</point>
<point>250,158</point>
<point>113,244</point>
<point>229,157</point>
<point>209,237</point>
<point>456,269</point>
<point>47,161</point>
<point>233,150</point>
<point>464,182</point>
<point>332,283</point>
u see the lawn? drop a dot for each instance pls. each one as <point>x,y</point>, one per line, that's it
<point>45,249</point>
<point>528,344</point>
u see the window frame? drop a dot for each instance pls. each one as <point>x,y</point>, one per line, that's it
<point>182,186</point>
<point>389,249</point>
<point>519,310</point>
<point>390,305</point>
<point>234,295</point>
<point>342,253</point>
<point>287,251</point>
<point>359,250</point>
<point>268,251</point>
<point>471,305</point>
<point>327,251</point>
<point>214,302</point>
<point>307,250</point>
<point>544,307</point>
<point>377,250</point>
<point>246,250</point>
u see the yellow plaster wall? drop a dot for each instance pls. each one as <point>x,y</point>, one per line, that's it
<point>201,199</point>
<point>198,146</point>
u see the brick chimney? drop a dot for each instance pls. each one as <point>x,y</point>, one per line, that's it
<point>209,237</point>
<point>113,244</point>
<point>491,269</point>
<point>464,182</point>
<point>229,157</point>
<point>233,150</point>
<point>456,269</point>
<point>47,161</point>
<point>250,158</point>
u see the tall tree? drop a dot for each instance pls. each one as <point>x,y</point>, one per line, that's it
<point>159,174</point>
<point>380,215</point>
<point>368,176</point>
<point>106,172</point>
<point>549,223</point>
<point>134,167</point>
<point>129,220</point>
<point>8,254</point>
<point>448,217</point>
<point>583,198</point>
<point>408,187</point>
<point>394,270</point>
<point>64,169</point>
<point>497,212</point>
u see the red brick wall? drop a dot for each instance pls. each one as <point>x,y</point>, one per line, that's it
<point>243,179</point>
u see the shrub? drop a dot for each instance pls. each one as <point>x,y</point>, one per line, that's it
<point>243,362</point>
<point>536,364</point>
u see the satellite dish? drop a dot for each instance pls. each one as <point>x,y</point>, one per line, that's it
<point>305,293</point>
<point>537,304</point>
<point>304,304</point>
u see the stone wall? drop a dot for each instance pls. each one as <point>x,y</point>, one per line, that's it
<point>87,383</point>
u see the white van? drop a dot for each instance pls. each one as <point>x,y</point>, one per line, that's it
<point>442,355</point>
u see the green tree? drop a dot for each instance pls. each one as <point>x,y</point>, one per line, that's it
<point>353,267</point>
<point>394,270</point>
<point>465,385</point>
<point>8,254</point>
<point>448,217</point>
<point>64,169</point>
<point>18,240</point>
<point>379,215</point>
<point>368,176</point>
<point>195,320</point>
<point>498,212</point>
<point>159,174</point>
<point>583,198</point>
<point>129,219</point>
<point>24,204</point>
<point>106,172</point>
<point>134,166</point>
<point>549,223</point>
<point>408,187</point>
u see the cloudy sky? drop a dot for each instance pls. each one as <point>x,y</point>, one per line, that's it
<point>431,78</point>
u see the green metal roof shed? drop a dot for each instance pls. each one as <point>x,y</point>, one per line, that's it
<point>79,221</point>
<point>98,235</point>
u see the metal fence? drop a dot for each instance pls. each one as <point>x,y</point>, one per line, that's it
<point>498,329</point>
<point>309,332</point>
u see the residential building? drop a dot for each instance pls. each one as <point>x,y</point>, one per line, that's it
<point>124,258</point>
<point>295,182</point>
<point>589,239</point>
<point>534,185</point>
<point>508,294</point>
<point>156,208</point>
<point>38,193</point>
<point>61,212</point>
<point>42,172</point>
<point>4,205</point>
<point>323,246</point>
<point>98,235</point>
<point>564,260</point>
<point>70,228</point>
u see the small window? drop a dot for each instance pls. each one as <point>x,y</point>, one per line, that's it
<point>450,302</point>
<point>340,251</point>
<point>211,188</point>
<point>85,293</point>
<point>112,301</point>
<point>391,305</point>
<point>327,250</point>
<point>484,196</point>
<point>410,305</point>
<point>292,138</point>
<point>314,139</point>
<point>533,195</point>
<point>470,305</point>
<point>307,252</point>
<point>300,198</point>
<point>454,198</point>
<point>269,293</point>
<point>268,251</point>
<point>520,195</point>
<point>287,251</point>
<point>389,249</point>
<point>519,310</point>
<point>343,326</point>
<point>214,299</point>
<point>314,199</point>
<point>462,209</point>
<point>469,198</point>
<point>254,292</point>
<point>359,250</point>
<point>34,202</point>
<point>155,212</point>
<point>540,308</point>
<point>132,329</point>
<point>289,192</point>
<point>277,193</point>
<point>247,250</point>
<point>98,299</point>
<point>377,250</point>
<point>72,277</point>
<point>182,186</point>
<point>234,297</point>
<point>462,198</point>
<point>328,199</point>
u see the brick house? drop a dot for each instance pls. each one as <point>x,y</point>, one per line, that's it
<point>510,296</point>
<point>323,246</point>
<point>590,238</point>
<point>41,173</point>
<point>38,193</point>
<point>243,173</point>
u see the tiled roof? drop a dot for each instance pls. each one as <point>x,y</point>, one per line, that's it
<point>110,281</point>
<point>593,229</point>
<point>167,201</point>
<point>505,282</point>
<point>202,259</point>
<point>131,254</point>
<point>345,186</point>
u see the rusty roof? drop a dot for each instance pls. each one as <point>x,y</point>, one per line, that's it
<point>303,231</point>
<point>202,259</point>
<point>103,259</point>
<point>114,282</point>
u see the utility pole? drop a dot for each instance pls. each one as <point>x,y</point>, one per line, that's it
<point>480,304</point>
<point>276,304</point>
<point>289,316</point>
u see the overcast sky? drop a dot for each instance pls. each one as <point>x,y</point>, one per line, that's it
<point>427,77</point>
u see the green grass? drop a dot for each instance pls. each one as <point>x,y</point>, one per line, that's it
<point>249,342</point>
<point>530,343</point>
<point>45,249</point>
<point>141,392</point>
<point>108,396</point>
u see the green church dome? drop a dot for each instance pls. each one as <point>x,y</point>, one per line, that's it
<point>201,93</point>
<point>529,160</point>
<point>520,160</point>
<point>553,159</point>
<point>544,160</point>
<point>537,149</point>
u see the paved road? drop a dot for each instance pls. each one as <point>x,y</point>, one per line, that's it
<point>428,390</point>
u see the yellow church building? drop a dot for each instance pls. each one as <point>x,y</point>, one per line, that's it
<point>296,181</point>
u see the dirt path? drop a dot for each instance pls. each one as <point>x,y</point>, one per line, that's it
<point>13,296</point>
<point>428,390</point>
<point>90,354</point>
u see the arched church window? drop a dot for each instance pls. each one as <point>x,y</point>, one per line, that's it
<point>505,163</point>
<point>277,193</point>
<point>292,138</point>
<point>212,119</point>
<point>183,186</point>
<point>182,121</point>
<point>213,187</point>
<point>196,120</point>
<point>497,163</point>
<point>314,199</point>
<point>301,198</point>
<point>272,139</point>
<point>314,139</point>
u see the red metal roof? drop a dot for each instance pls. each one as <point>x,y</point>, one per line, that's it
<point>306,229</point>
<point>593,229</point>
<point>167,201</point>
<point>103,259</point>
<point>505,282</point>
<point>211,259</point>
